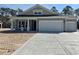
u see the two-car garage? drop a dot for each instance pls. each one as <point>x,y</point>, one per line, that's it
<point>60,25</point>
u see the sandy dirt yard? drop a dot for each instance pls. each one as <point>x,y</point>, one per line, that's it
<point>9,42</point>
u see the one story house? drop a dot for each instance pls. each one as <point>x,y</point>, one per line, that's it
<point>41,19</point>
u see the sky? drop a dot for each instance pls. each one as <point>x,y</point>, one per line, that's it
<point>49,6</point>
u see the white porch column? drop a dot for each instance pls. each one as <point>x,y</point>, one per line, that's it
<point>18,24</point>
<point>11,24</point>
<point>28,25</point>
<point>25,24</point>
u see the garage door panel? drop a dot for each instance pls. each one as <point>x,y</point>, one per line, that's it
<point>51,25</point>
<point>70,26</point>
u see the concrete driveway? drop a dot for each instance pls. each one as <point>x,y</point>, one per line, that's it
<point>51,44</point>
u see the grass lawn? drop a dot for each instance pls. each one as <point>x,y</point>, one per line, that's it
<point>9,42</point>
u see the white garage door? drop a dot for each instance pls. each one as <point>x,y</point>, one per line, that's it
<point>70,26</point>
<point>51,25</point>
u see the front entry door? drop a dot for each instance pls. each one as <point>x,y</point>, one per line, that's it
<point>32,25</point>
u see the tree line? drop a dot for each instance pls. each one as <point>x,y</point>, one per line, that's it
<point>9,11</point>
<point>68,10</point>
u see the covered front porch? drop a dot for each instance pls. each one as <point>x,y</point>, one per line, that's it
<point>23,24</point>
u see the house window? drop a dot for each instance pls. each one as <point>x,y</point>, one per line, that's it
<point>37,12</point>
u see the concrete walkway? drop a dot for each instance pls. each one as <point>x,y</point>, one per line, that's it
<point>51,44</point>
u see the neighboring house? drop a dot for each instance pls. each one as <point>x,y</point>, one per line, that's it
<point>40,19</point>
<point>5,13</point>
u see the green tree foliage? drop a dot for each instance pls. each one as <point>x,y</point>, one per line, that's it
<point>19,11</point>
<point>7,11</point>
<point>68,10</point>
<point>54,10</point>
<point>5,14</point>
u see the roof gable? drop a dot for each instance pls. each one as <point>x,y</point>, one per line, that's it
<point>36,7</point>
